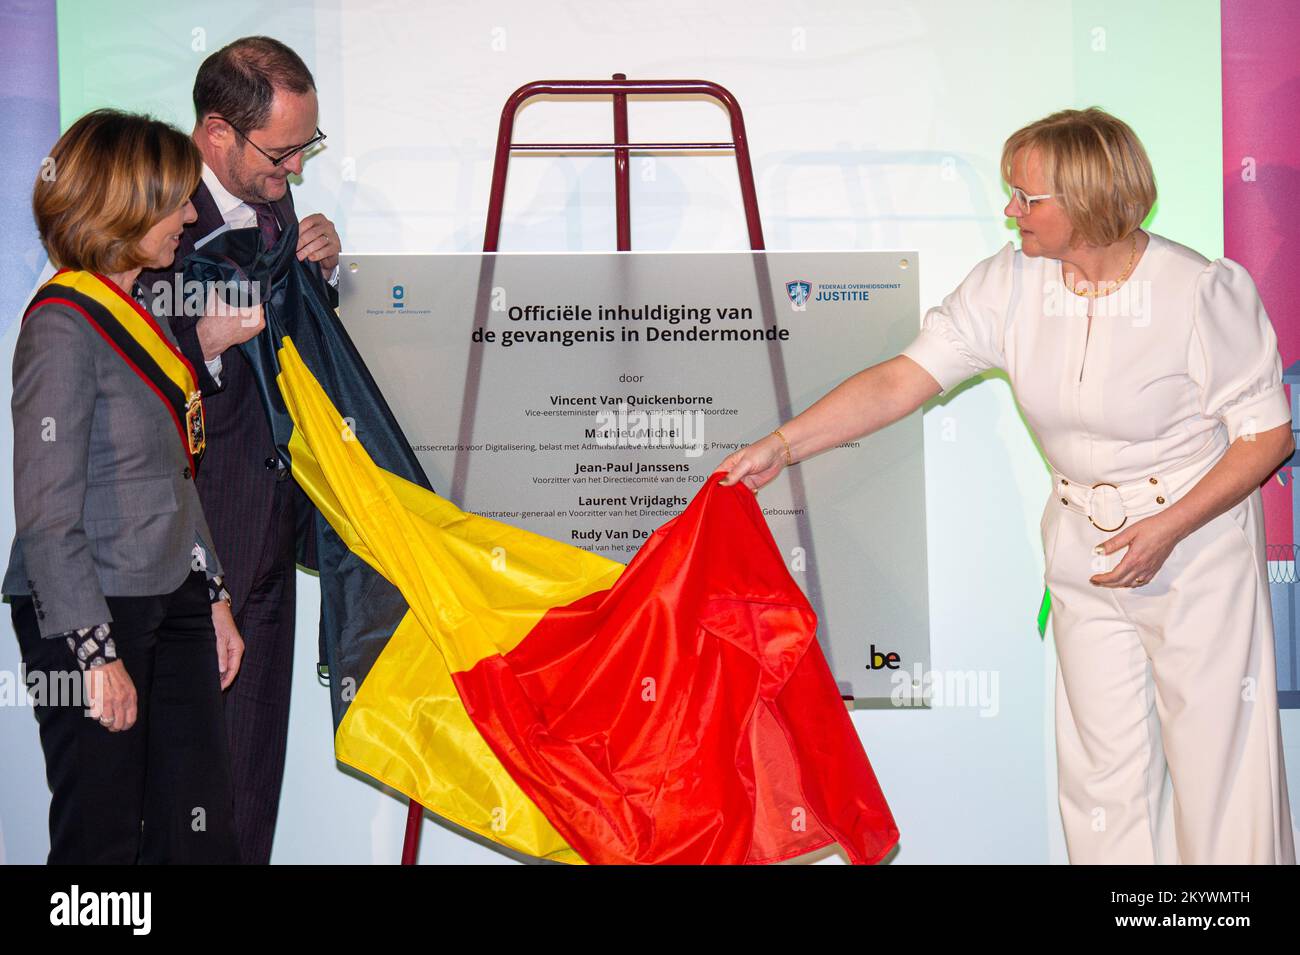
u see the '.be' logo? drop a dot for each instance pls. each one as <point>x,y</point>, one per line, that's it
<point>883,661</point>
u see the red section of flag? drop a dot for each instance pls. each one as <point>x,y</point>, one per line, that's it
<point>687,714</point>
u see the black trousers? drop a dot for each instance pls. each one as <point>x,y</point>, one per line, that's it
<point>159,792</point>
<point>257,703</point>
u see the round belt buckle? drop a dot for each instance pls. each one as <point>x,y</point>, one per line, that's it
<point>1108,530</point>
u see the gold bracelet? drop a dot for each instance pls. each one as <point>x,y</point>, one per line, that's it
<point>788,460</point>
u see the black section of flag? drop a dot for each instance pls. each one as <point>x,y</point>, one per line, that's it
<point>359,608</point>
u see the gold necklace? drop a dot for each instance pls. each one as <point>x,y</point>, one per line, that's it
<point>1132,257</point>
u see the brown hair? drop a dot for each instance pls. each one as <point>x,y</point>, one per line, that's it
<point>109,180</point>
<point>1094,166</point>
<point>239,81</point>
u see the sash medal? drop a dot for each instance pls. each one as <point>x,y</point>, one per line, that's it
<point>134,334</point>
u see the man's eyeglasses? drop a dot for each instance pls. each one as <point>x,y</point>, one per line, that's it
<point>1024,201</point>
<point>284,156</point>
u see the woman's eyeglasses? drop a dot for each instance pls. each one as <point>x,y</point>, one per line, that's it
<point>284,156</point>
<point>1024,201</point>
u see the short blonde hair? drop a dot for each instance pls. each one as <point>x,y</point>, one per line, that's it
<point>109,180</point>
<point>1094,166</point>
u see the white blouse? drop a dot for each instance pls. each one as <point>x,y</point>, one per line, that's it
<point>1180,357</point>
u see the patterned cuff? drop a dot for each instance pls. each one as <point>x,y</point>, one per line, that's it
<point>92,646</point>
<point>217,590</point>
<point>200,561</point>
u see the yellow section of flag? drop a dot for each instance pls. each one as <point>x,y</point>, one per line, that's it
<point>475,588</point>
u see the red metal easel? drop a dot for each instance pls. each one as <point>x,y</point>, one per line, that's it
<point>618,88</point>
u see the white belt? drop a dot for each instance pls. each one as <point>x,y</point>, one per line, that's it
<point>1109,506</point>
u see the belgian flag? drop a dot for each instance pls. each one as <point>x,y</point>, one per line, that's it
<point>676,710</point>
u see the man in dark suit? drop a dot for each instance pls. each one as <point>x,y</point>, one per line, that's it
<point>256,119</point>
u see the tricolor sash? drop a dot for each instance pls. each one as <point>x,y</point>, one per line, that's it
<point>134,334</point>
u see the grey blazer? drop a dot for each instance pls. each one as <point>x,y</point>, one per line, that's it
<point>104,500</point>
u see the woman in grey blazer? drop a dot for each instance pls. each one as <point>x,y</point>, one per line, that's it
<point>126,634</point>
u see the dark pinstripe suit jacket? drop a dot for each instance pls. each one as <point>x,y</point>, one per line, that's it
<point>237,482</point>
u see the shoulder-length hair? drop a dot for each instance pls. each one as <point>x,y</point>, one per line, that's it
<point>1094,166</point>
<point>108,180</point>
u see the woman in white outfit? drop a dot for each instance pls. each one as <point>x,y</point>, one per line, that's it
<point>1152,380</point>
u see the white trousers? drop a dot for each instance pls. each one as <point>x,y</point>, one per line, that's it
<point>1168,742</point>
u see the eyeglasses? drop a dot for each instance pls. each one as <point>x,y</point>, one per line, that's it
<point>284,156</point>
<point>1024,201</point>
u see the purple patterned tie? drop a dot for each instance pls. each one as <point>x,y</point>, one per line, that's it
<point>267,223</point>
